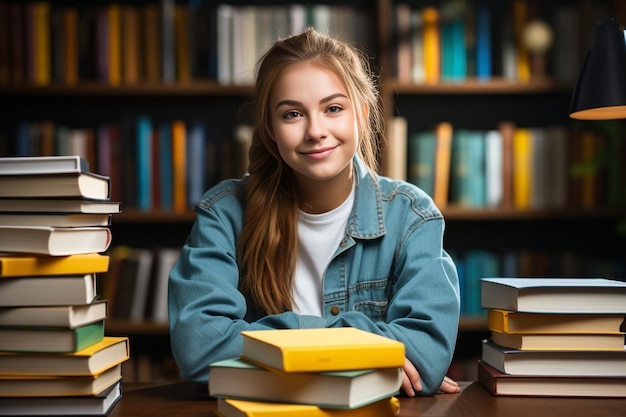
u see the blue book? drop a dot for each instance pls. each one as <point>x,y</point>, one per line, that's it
<point>165,164</point>
<point>483,42</point>
<point>421,150</point>
<point>144,163</point>
<point>196,151</point>
<point>477,178</point>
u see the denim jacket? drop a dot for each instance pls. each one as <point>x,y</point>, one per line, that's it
<point>390,275</point>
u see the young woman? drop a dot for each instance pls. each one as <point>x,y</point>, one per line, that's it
<point>313,236</point>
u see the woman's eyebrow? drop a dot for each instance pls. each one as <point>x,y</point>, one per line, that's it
<point>297,103</point>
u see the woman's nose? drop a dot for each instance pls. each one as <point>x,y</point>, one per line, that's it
<point>316,129</point>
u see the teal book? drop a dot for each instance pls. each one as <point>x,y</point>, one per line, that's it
<point>421,152</point>
<point>144,163</point>
<point>476,166</point>
<point>50,339</point>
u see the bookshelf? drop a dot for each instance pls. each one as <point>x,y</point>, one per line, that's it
<point>593,235</point>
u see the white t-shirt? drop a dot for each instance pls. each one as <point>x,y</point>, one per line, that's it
<point>318,238</point>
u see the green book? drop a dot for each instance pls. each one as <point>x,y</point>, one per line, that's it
<point>50,339</point>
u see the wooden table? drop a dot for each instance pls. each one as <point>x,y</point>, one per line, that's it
<point>183,399</point>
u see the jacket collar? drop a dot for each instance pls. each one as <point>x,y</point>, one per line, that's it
<point>366,220</point>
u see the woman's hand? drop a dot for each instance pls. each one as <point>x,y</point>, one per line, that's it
<point>411,382</point>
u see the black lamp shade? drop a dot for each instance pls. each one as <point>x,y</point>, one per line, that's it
<point>600,93</point>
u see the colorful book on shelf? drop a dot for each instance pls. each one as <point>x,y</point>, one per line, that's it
<point>55,219</point>
<point>554,363</point>
<point>96,405</point>
<point>421,151</point>
<point>24,265</point>
<point>505,321</point>
<point>397,148</point>
<point>227,407</point>
<point>92,360</point>
<point>53,290</point>
<point>432,45</point>
<point>61,205</point>
<point>59,386</point>
<point>84,185</point>
<point>443,158</point>
<point>50,339</point>
<point>70,316</point>
<point>321,349</point>
<point>40,165</point>
<point>501,384</point>
<point>554,295</point>
<point>236,378</point>
<point>54,241</point>
<point>560,342</point>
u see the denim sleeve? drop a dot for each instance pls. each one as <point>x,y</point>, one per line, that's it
<point>206,309</point>
<point>423,304</point>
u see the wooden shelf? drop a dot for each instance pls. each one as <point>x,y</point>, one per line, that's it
<point>476,86</point>
<point>496,214</point>
<point>86,89</point>
<point>138,216</point>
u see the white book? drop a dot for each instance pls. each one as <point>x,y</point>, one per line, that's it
<point>142,283</point>
<point>70,316</point>
<point>60,205</point>
<point>494,168</point>
<point>225,43</point>
<point>56,241</point>
<point>38,165</point>
<point>166,259</point>
<point>554,295</point>
<point>48,291</point>
<point>98,405</point>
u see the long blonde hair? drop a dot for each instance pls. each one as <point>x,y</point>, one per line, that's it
<point>268,244</point>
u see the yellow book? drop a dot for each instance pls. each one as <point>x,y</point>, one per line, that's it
<point>241,408</point>
<point>432,45</point>
<point>522,168</point>
<point>504,321</point>
<point>560,341</point>
<point>179,164</point>
<point>93,360</point>
<point>321,349</point>
<point>70,43</point>
<point>42,68</point>
<point>114,13</point>
<point>443,156</point>
<point>23,265</point>
<point>59,386</point>
<point>520,19</point>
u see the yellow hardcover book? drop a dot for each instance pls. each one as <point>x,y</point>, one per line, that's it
<point>443,156</point>
<point>321,349</point>
<point>179,164</point>
<point>24,265</point>
<point>42,68</point>
<point>560,341</point>
<point>432,45</point>
<point>115,48</point>
<point>240,408</point>
<point>59,386</point>
<point>522,168</point>
<point>130,44</point>
<point>520,19</point>
<point>504,321</point>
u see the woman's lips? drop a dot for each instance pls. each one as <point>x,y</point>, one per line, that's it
<point>320,153</point>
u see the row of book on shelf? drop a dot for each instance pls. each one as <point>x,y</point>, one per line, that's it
<point>152,164</point>
<point>554,337</point>
<point>457,40</point>
<point>511,166</point>
<point>54,355</point>
<point>161,41</point>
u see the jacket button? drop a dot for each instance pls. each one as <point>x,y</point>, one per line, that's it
<point>334,310</point>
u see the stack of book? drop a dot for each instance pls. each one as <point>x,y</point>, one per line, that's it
<point>554,337</point>
<point>54,356</point>
<point>310,372</point>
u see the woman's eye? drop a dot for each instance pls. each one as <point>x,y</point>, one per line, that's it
<point>334,109</point>
<point>291,115</point>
